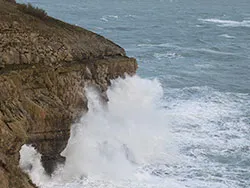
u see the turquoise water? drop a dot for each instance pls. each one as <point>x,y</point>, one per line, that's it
<point>199,53</point>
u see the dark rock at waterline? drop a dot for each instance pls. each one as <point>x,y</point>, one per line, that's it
<point>50,162</point>
<point>44,66</point>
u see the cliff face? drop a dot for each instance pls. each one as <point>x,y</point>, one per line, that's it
<point>44,66</point>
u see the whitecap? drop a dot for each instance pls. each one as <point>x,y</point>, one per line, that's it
<point>227,36</point>
<point>163,45</point>
<point>109,17</point>
<point>99,28</point>
<point>169,55</point>
<point>104,19</point>
<point>207,50</point>
<point>212,51</point>
<point>204,66</point>
<point>227,23</point>
<point>198,25</point>
<point>131,16</point>
<point>113,16</point>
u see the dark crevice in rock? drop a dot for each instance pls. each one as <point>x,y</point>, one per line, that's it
<point>51,162</point>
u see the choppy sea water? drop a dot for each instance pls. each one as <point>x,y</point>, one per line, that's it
<point>184,121</point>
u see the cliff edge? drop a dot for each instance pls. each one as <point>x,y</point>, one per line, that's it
<point>45,64</point>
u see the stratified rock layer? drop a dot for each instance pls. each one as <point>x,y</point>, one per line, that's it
<point>44,67</point>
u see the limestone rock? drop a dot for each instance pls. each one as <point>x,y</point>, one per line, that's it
<point>44,67</point>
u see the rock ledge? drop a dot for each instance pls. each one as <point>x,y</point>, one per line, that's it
<point>45,64</point>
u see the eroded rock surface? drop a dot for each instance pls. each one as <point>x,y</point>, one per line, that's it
<point>44,67</point>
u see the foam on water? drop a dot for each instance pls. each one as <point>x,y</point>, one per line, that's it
<point>31,164</point>
<point>169,55</point>
<point>228,23</point>
<point>189,137</point>
<point>121,135</point>
<point>114,141</point>
<point>109,18</point>
<point>163,45</point>
<point>227,36</point>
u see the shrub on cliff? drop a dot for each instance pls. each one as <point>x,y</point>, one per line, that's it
<point>34,11</point>
<point>11,1</point>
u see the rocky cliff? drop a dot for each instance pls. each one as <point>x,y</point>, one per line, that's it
<point>45,64</point>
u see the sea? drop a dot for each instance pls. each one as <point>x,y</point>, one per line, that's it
<point>184,120</point>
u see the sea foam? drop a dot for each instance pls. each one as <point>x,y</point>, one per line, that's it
<point>113,141</point>
<point>228,23</point>
<point>147,137</point>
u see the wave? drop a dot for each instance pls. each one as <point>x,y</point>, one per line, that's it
<point>30,163</point>
<point>130,114</point>
<point>109,17</point>
<point>228,23</point>
<point>211,51</point>
<point>114,141</point>
<point>227,36</point>
<point>163,45</point>
<point>169,55</point>
<point>173,55</point>
<point>144,138</point>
